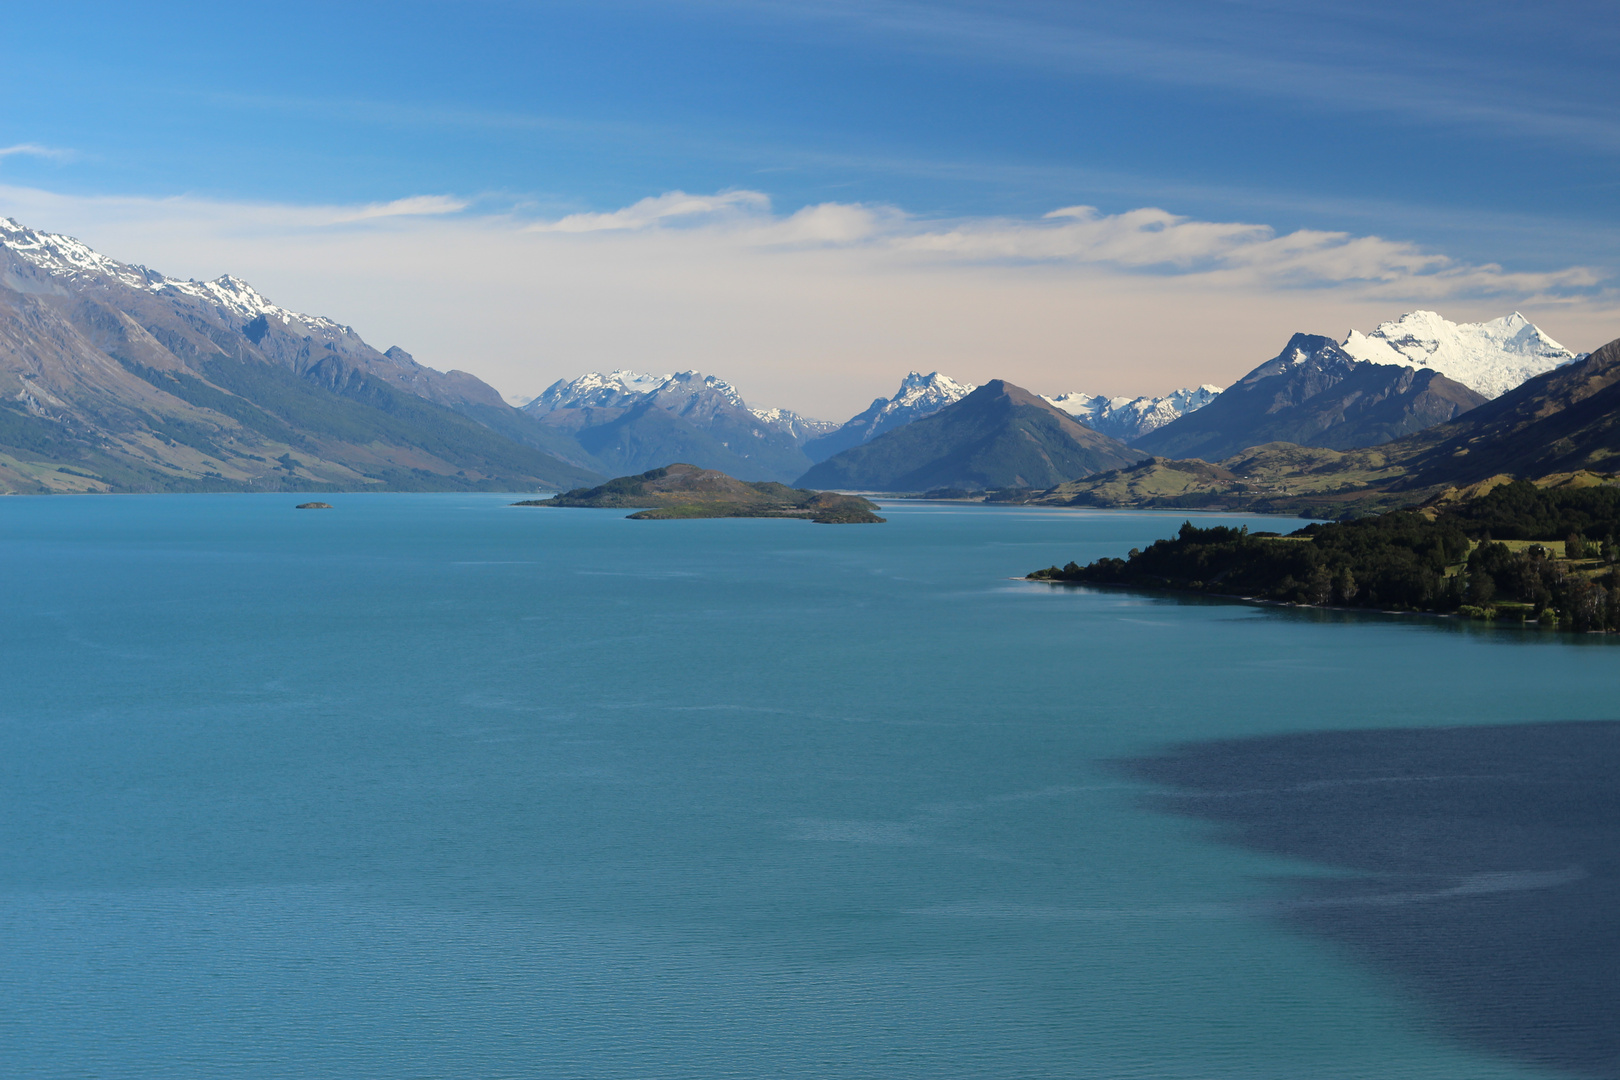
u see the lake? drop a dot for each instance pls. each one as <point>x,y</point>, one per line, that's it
<point>432,786</point>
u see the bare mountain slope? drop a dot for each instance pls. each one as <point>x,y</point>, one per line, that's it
<point>115,377</point>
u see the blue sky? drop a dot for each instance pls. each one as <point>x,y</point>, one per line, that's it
<point>1486,133</point>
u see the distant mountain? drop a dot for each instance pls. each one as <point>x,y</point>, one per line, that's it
<point>1128,419</point>
<point>919,396</point>
<point>1314,394</point>
<point>1490,357</point>
<point>116,377</point>
<point>1563,424</point>
<point>595,390</point>
<point>632,422</point>
<point>998,436</point>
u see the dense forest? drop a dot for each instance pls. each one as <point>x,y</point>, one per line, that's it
<point>1492,556</point>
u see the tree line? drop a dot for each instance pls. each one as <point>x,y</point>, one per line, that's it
<point>1453,560</point>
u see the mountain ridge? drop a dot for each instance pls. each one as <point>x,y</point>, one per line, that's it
<point>116,377</point>
<point>1313,393</point>
<point>998,436</point>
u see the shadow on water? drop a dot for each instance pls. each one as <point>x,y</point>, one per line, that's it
<point>1482,866</point>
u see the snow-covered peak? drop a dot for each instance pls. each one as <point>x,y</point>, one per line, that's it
<point>1125,418</point>
<point>1085,407</point>
<point>800,427</point>
<point>680,392</point>
<point>920,391</point>
<point>692,383</point>
<point>65,257</point>
<point>596,389</point>
<point>1489,357</point>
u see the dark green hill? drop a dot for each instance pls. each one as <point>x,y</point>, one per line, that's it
<point>999,436</point>
<point>1514,549</point>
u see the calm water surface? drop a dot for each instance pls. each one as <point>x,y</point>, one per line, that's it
<point>429,786</point>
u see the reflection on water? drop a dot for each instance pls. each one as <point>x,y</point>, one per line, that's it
<point>1482,865</point>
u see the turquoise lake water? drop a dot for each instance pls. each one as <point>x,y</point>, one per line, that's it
<point>431,786</point>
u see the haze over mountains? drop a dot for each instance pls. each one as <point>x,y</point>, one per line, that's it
<point>117,377</point>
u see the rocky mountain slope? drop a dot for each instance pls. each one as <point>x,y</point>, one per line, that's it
<point>1314,393</point>
<point>116,377</point>
<point>998,436</point>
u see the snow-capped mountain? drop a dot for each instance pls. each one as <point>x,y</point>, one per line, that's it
<point>800,427</point>
<point>922,395</point>
<point>74,262</point>
<point>633,421</point>
<point>596,390</point>
<point>919,396</point>
<point>104,363</point>
<point>622,389</point>
<point>1313,393</point>
<point>1126,418</point>
<point>1490,357</point>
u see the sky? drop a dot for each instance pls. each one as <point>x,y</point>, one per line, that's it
<point>809,199</point>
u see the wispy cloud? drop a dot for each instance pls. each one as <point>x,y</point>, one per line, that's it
<point>412,206</point>
<point>36,150</point>
<point>671,208</point>
<point>1146,241</point>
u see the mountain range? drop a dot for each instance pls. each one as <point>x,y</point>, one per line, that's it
<point>1313,393</point>
<point>117,377</point>
<point>1563,423</point>
<point>629,422</point>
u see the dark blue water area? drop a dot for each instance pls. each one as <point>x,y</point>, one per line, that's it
<point>432,786</point>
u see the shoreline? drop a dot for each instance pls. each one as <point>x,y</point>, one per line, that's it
<point>1523,624</point>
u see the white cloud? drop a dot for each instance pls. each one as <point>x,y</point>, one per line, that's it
<point>821,309</point>
<point>1147,240</point>
<point>414,206</point>
<point>675,207</point>
<point>35,150</point>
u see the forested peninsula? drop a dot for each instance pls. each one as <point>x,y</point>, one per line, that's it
<point>1504,549</point>
<point>686,491</point>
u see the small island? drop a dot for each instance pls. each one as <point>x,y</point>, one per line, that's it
<point>1485,552</point>
<point>313,506</point>
<point>686,491</point>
